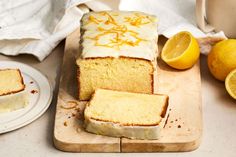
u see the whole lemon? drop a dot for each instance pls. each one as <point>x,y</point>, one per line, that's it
<point>222,58</point>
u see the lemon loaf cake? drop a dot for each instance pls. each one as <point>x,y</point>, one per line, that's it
<point>118,52</point>
<point>13,95</point>
<point>124,114</point>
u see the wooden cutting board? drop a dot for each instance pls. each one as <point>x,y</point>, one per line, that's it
<point>183,129</point>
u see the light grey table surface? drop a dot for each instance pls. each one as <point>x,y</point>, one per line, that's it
<point>36,139</point>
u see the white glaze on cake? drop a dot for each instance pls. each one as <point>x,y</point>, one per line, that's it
<point>13,101</point>
<point>118,130</point>
<point>115,34</point>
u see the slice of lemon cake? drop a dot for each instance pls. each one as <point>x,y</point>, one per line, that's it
<point>124,114</point>
<point>13,95</point>
<point>119,51</point>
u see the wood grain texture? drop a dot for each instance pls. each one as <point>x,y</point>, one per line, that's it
<point>182,131</point>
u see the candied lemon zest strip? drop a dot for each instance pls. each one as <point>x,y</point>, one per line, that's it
<point>120,31</point>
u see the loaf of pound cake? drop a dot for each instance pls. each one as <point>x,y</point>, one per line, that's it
<point>118,52</point>
<point>124,114</point>
<point>13,93</point>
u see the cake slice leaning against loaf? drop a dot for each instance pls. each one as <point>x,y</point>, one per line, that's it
<point>118,52</point>
<point>123,114</point>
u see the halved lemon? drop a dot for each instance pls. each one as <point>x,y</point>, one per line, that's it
<point>181,51</point>
<point>230,83</point>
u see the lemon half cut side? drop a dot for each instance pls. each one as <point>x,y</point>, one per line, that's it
<point>230,83</point>
<point>181,51</point>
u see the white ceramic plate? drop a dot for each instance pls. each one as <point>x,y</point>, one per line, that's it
<point>40,97</point>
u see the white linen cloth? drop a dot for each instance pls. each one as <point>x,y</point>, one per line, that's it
<point>37,26</point>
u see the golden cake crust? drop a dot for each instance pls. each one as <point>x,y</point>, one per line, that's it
<point>14,91</point>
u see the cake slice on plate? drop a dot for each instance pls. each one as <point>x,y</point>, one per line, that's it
<point>13,94</point>
<point>123,114</point>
